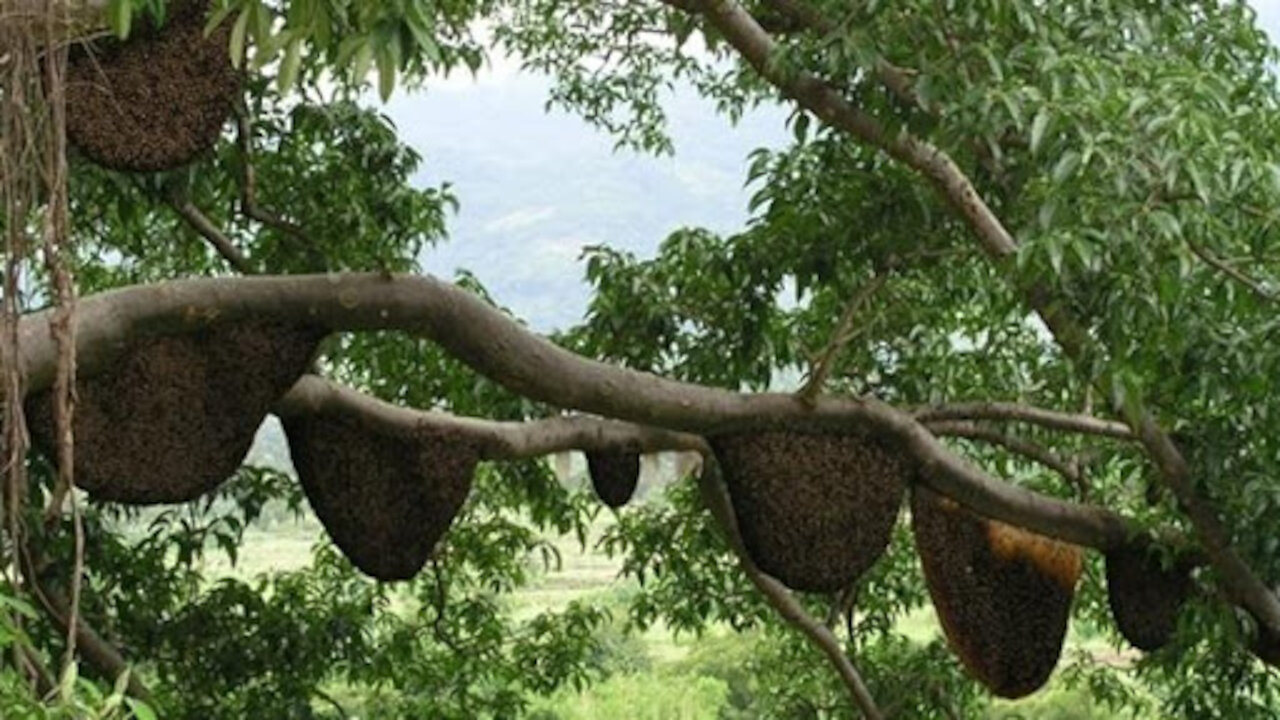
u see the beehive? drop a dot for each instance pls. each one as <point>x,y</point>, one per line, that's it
<point>815,509</point>
<point>385,495</point>
<point>1145,597</point>
<point>175,415</point>
<point>614,476</point>
<point>155,100</point>
<point>1003,595</point>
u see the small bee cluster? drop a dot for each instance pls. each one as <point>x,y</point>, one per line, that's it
<point>1145,595</point>
<point>614,475</point>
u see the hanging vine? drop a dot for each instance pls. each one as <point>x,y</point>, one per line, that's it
<point>33,180</point>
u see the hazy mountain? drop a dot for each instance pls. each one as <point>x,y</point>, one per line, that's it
<point>535,187</point>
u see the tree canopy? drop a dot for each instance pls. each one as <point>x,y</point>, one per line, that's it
<point>1020,261</point>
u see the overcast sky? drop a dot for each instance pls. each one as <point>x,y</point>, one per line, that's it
<point>536,187</point>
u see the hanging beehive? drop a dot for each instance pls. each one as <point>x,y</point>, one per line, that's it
<point>175,415</point>
<point>386,495</point>
<point>155,100</point>
<point>1145,596</point>
<point>1002,594</point>
<point>614,476</point>
<point>815,509</point>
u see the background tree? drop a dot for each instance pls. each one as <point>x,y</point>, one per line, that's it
<point>998,218</point>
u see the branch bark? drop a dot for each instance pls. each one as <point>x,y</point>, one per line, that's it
<point>210,232</point>
<point>716,497</point>
<point>100,654</point>
<point>1052,419</point>
<point>755,46</point>
<point>842,334</point>
<point>1232,272</point>
<point>1069,470</point>
<point>506,352</point>
<point>496,440</point>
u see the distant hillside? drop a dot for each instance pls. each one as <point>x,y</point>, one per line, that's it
<point>533,197</point>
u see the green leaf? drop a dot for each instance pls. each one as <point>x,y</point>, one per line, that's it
<point>237,38</point>
<point>140,710</point>
<point>67,683</point>
<point>1065,167</point>
<point>1038,126</point>
<point>363,60</point>
<point>801,127</point>
<point>386,73</point>
<point>120,16</point>
<point>216,18</point>
<point>289,66</point>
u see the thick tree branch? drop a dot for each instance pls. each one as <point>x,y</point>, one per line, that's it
<point>1052,419</point>
<point>496,440</point>
<point>507,353</point>
<point>758,49</point>
<point>897,79</point>
<point>716,497</point>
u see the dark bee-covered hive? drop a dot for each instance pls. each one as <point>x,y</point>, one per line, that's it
<point>1145,596</point>
<point>614,476</point>
<point>174,415</point>
<point>1003,595</point>
<point>815,509</point>
<point>155,100</point>
<point>386,495</point>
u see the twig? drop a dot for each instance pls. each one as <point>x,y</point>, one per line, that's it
<point>1068,469</point>
<point>249,193</point>
<point>210,232</point>
<point>35,667</point>
<point>1052,419</point>
<point>342,712</point>
<point>714,494</point>
<point>249,183</point>
<point>839,337</point>
<point>1232,272</point>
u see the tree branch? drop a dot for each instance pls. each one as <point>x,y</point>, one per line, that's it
<point>1232,272</point>
<point>100,654</point>
<point>1069,470</point>
<point>496,440</point>
<point>841,335</point>
<point>755,46</point>
<point>717,499</point>
<point>210,232</point>
<point>249,183</point>
<point>898,80</point>
<point>507,353</point>
<point>1052,419</point>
